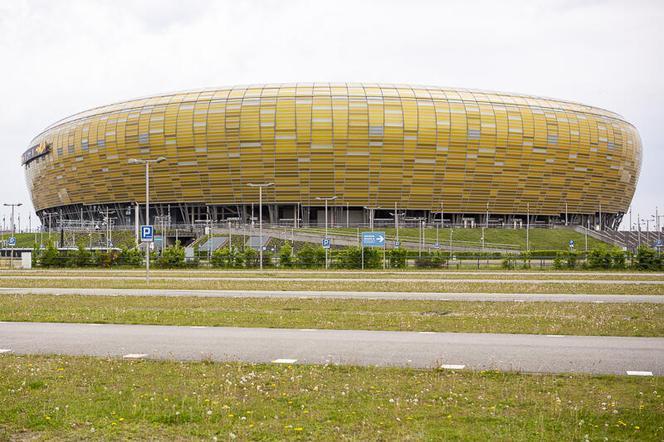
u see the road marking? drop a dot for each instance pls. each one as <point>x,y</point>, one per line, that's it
<point>555,336</point>
<point>453,366</point>
<point>427,333</point>
<point>197,326</point>
<point>639,373</point>
<point>307,329</point>
<point>5,350</point>
<point>135,355</point>
<point>284,361</point>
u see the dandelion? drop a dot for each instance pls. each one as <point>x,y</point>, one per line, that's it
<point>209,412</point>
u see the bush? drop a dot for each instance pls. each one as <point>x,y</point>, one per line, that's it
<point>310,257</point>
<point>172,257</point>
<point>619,259</point>
<point>599,259</point>
<point>81,258</point>
<point>433,260</point>
<point>647,259</point>
<point>250,257</point>
<point>559,261</point>
<point>50,257</point>
<point>106,259</point>
<point>509,262</point>
<point>397,258</point>
<point>130,257</point>
<point>286,256</point>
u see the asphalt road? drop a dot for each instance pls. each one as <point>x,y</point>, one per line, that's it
<point>525,353</point>
<point>492,297</point>
<point>193,277</point>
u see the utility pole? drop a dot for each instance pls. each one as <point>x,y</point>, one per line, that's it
<point>326,199</point>
<point>260,217</point>
<point>565,212</point>
<point>147,205</point>
<point>13,206</point>
<point>527,227</point>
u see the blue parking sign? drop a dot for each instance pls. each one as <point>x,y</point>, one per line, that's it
<point>147,233</point>
<point>11,241</point>
<point>326,243</point>
<point>571,243</point>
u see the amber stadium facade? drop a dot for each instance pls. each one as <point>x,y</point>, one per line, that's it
<point>466,155</point>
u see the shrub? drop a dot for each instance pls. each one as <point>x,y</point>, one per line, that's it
<point>250,257</point>
<point>310,257</point>
<point>50,257</point>
<point>398,258</point>
<point>509,262</point>
<point>599,259</point>
<point>130,257</point>
<point>619,259</point>
<point>433,260</point>
<point>286,256</point>
<point>172,257</point>
<point>559,261</point>
<point>647,259</point>
<point>81,258</point>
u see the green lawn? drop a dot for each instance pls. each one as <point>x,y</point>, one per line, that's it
<point>119,238</point>
<point>438,316</point>
<point>443,286</point>
<point>81,398</point>
<point>539,239</point>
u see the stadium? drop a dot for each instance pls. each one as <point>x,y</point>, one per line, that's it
<point>463,156</point>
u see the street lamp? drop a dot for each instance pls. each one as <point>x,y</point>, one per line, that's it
<point>13,205</point>
<point>326,199</point>
<point>147,204</point>
<point>260,217</point>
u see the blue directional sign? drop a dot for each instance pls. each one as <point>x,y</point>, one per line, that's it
<point>11,241</point>
<point>571,243</point>
<point>147,233</point>
<point>326,243</point>
<point>373,239</point>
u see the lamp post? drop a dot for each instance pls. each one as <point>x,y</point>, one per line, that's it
<point>260,217</point>
<point>13,205</point>
<point>527,227</point>
<point>147,204</point>
<point>326,199</point>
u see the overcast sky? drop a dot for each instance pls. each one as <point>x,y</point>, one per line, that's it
<point>61,57</point>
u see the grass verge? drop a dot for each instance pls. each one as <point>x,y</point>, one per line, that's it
<point>451,286</point>
<point>81,398</point>
<point>439,316</point>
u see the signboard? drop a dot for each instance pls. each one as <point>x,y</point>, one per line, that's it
<point>436,246</point>
<point>373,239</point>
<point>397,243</point>
<point>11,241</point>
<point>571,243</point>
<point>36,151</point>
<point>147,233</point>
<point>158,238</point>
<point>658,243</point>
<point>326,243</point>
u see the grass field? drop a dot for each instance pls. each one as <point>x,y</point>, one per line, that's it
<point>438,316</point>
<point>366,285</point>
<point>539,239</point>
<point>57,397</point>
<point>333,274</point>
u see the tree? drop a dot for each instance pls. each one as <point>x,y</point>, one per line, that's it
<point>250,257</point>
<point>50,257</point>
<point>647,259</point>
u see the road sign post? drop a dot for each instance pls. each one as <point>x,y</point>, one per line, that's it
<point>147,236</point>
<point>373,239</point>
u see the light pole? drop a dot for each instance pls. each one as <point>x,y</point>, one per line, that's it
<point>260,217</point>
<point>147,205</point>
<point>326,199</point>
<point>13,205</point>
<point>527,227</point>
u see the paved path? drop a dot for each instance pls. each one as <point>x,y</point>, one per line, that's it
<point>368,279</point>
<point>528,353</point>
<point>427,296</point>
